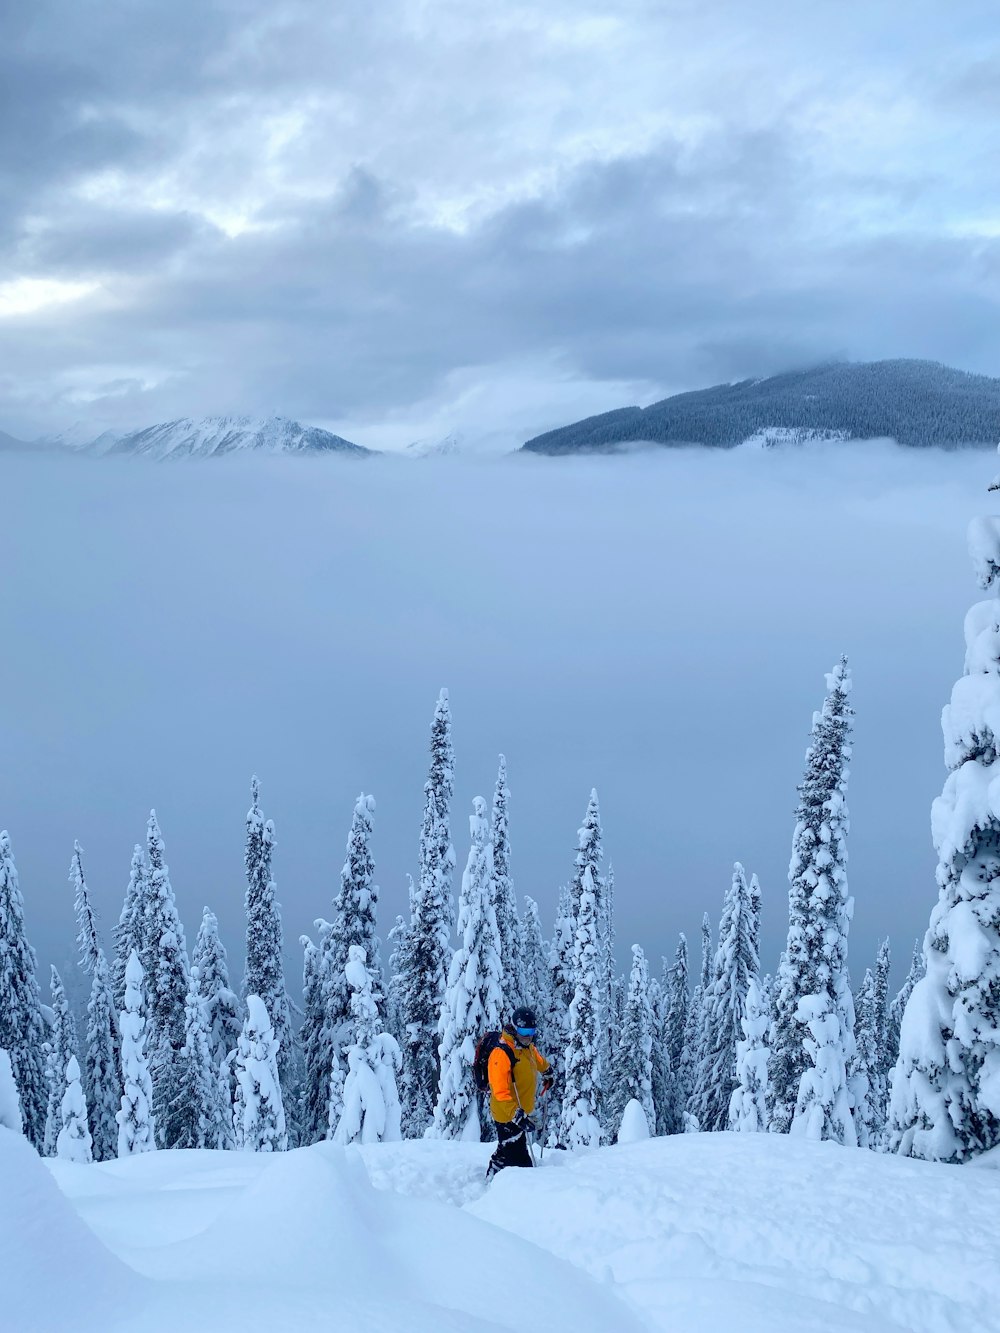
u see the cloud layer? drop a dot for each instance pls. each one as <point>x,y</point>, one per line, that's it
<point>658,626</point>
<point>404,219</point>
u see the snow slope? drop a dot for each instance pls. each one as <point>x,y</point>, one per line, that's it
<point>208,437</point>
<point>694,1234</point>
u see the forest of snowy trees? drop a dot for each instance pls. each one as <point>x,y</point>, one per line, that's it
<point>170,1054</point>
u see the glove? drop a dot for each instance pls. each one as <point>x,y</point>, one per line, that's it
<point>522,1121</point>
<point>549,1080</point>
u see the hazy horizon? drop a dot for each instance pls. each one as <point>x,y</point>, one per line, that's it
<point>657,626</point>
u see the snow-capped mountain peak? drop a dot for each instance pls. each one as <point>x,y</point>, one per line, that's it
<point>209,437</point>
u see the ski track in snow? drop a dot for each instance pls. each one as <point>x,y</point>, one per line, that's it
<point>693,1234</point>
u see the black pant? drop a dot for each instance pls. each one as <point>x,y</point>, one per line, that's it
<point>512,1147</point>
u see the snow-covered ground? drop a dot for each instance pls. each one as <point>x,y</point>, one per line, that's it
<point>696,1234</point>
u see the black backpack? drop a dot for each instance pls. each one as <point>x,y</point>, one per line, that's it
<point>488,1043</point>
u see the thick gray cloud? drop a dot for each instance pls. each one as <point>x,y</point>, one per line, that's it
<point>379,217</point>
<point>657,626</point>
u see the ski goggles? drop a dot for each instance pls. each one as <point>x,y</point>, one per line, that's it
<point>525,1032</point>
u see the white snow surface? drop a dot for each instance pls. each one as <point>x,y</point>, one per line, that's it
<point>697,1232</point>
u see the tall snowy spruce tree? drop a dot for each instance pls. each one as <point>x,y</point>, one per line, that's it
<point>101,1051</point>
<point>424,965</point>
<point>678,1000</point>
<point>63,1047</point>
<point>130,933</point>
<point>317,1052</point>
<point>582,1102</point>
<point>136,1120</point>
<point>946,1084</point>
<point>258,1112</point>
<point>666,1105</point>
<point>632,1072</point>
<point>812,1042</point>
<point>264,975</point>
<point>504,902</point>
<point>369,1097</point>
<point>748,1105</point>
<point>869,1087</point>
<point>590,851</point>
<point>474,1000</point>
<point>694,1031</point>
<point>222,1008</point>
<point>200,1110</point>
<point>22,1026</point>
<point>167,987</point>
<point>736,965</point>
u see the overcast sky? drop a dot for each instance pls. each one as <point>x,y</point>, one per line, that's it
<point>401,219</point>
<point>657,626</point>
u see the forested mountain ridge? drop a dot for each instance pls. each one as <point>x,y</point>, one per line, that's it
<point>916,403</point>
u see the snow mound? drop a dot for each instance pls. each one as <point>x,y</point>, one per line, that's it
<point>52,1265</point>
<point>634,1126</point>
<point>261,1242</point>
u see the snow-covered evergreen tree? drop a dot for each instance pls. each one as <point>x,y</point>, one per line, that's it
<point>393,992</point>
<point>10,1102</point>
<point>354,923</point>
<point>258,1112</point>
<point>589,854</point>
<point>136,1127</point>
<point>264,975</point>
<point>613,987</point>
<point>222,1008</point>
<point>736,964</point>
<point>867,1087</point>
<point>536,983</point>
<point>130,933</point>
<point>474,1002</point>
<point>819,914</point>
<point>748,1105</point>
<point>823,1107</point>
<point>22,1026</point>
<point>946,1084</point>
<point>63,1046</point>
<point>665,1101</point>
<point>200,1110</point>
<point>898,1007</point>
<point>425,963</point>
<point>167,985</point>
<point>371,1110</point>
<point>74,1142</point>
<point>504,902</point>
<point>101,1054</point>
<point>632,1072</point>
<point>581,1104</point>
<point>678,998</point>
<point>314,1109</point>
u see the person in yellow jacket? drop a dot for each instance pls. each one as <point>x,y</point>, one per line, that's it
<point>514,1068</point>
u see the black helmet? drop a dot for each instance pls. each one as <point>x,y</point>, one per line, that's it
<point>523,1019</point>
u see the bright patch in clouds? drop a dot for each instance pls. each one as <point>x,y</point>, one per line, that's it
<point>23,296</point>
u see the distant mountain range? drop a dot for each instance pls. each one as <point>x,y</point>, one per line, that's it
<point>208,437</point>
<point>916,403</point>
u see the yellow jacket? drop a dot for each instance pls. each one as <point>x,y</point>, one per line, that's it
<point>507,1093</point>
